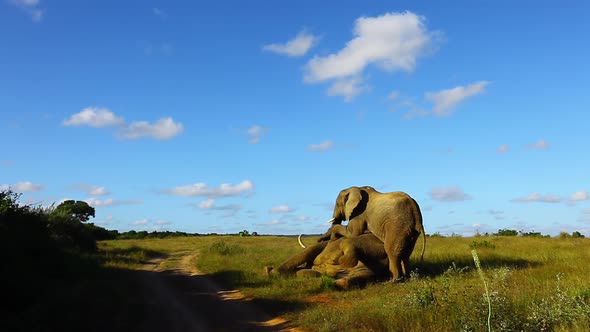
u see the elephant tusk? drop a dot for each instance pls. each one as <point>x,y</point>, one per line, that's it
<point>301,242</point>
<point>331,220</point>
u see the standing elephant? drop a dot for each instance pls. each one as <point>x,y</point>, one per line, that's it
<point>393,217</point>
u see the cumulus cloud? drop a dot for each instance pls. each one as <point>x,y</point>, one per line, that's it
<point>96,202</point>
<point>448,194</point>
<point>323,146</point>
<point>209,204</point>
<point>93,190</point>
<point>94,117</point>
<point>537,197</point>
<point>502,148</point>
<point>393,95</point>
<point>445,100</point>
<point>202,189</point>
<point>392,41</point>
<point>22,186</point>
<point>141,222</point>
<point>580,195</point>
<point>297,46</point>
<point>281,209</point>
<point>165,128</point>
<point>540,144</point>
<point>255,132</point>
<point>347,88</point>
<point>31,7</point>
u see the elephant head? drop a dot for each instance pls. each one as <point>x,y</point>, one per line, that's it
<point>349,203</point>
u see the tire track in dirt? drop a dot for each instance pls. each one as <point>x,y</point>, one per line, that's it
<point>185,299</point>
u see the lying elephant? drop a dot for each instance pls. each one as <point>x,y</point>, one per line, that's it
<point>352,261</point>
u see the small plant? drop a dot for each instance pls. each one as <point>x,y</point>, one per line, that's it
<point>328,283</point>
<point>423,297</point>
<point>485,285</point>
<point>226,249</point>
<point>454,270</point>
<point>482,244</point>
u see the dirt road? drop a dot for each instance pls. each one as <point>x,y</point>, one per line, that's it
<point>183,299</point>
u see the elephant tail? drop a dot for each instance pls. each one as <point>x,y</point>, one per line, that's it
<point>419,227</point>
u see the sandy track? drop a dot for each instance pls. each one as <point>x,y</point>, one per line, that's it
<point>183,299</point>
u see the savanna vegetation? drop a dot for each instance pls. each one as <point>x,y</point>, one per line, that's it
<point>56,280</point>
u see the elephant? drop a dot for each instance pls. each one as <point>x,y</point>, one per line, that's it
<point>393,217</point>
<point>353,261</point>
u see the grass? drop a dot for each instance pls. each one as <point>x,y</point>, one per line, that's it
<point>534,283</point>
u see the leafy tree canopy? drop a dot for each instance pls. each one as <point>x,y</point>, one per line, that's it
<point>77,209</point>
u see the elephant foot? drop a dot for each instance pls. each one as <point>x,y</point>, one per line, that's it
<point>268,270</point>
<point>398,280</point>
<point>342,283</point>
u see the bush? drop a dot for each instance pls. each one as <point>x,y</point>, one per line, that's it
<point>506,232</point>
<point>225,249</point>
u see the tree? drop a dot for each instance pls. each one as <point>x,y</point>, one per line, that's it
<point>80,210</point>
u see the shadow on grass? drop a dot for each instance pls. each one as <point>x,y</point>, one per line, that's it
<point>129,256</point>
<point>236,279</point>
<point>115,299</point>
<point>436,268</point>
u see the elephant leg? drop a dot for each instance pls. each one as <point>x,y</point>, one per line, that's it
<point>394,249</point>
<point>349,254</point>
<point>406,266</point>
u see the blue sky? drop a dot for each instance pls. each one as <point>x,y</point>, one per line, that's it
<point>219,116</point>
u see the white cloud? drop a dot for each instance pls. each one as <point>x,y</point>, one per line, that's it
<point>140,222</point>
<point>97,117</point>
<point>207,204</point>
<point>31,7</point>
<point>540,144</point>
<point>537,197</point>
<point>393,95</point>
<point>580,195</point>
<point>96,202</point>
<point>93,190</point>
<point>348,88</point>
<point>93,201</point>
<point>297,46</point>
<point>392,41</point>
<point>94,117</point>
<point>445,100</point>
<point>159,12</point>
<point>22,186</point>
<point>202,189</point>
<point>255,132</point>
<point>502,148</point>
<point>323,146</point>
<point>230,209</point>
<point>448,194</point>
<point>164,128</point>
<point>281,209</point>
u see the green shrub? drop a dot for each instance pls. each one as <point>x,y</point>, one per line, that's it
<point>225,249</point>
<point>482,244</point>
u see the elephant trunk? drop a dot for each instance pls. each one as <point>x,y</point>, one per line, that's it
<point>301,242</point>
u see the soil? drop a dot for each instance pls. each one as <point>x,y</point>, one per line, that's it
<point>184,299</point>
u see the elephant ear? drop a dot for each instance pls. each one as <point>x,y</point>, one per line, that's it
<point>351,201</point>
